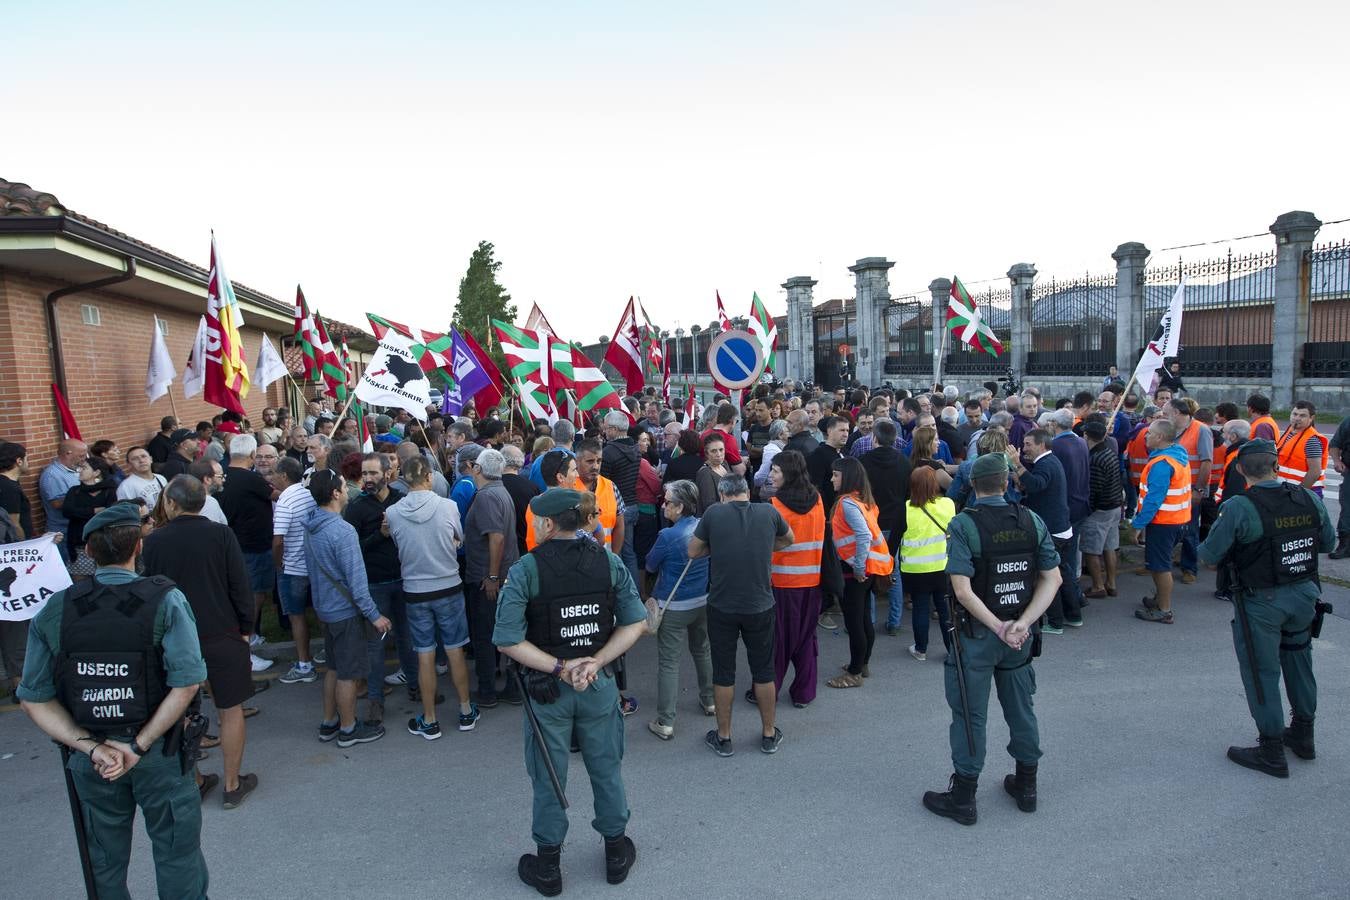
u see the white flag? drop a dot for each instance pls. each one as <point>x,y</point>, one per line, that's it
<point>160,373</point>
<point>393,377</point>
<point>194,373</point>
<point>30,572</point>
<point>1166,341</point>
<point>269,367</point>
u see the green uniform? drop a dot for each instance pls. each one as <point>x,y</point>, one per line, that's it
<point>1279,617</point>
<point>985,658</point>
<point>168,798</point>
<point>593,714</point>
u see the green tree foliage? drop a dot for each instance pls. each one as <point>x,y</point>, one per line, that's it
<point>481,298</point>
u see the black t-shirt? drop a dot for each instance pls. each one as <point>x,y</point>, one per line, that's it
<point>246,501</point>
<point>14,500</point>
<point>159,449</point>
<point>300,456</point>
<point>174,465</point>
<point>522,490</point>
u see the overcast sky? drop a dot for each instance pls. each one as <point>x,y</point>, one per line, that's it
<point>363,150</point>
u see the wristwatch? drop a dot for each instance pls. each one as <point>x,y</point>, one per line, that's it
<point>494,578</point>
<point>136,748</point>
<point>557,666</point>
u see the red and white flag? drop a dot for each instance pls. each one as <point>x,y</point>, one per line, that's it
<point>625,350</point>
<point>665,381</point>
<point>725,325</point>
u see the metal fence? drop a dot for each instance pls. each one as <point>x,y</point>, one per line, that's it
<point>1228,325</point>
<point>834,341</point>
<point>1073,326</point>
<point>1326,277</point>
<point>908,324</point>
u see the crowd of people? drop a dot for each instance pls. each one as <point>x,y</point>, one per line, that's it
<point>757,525</point>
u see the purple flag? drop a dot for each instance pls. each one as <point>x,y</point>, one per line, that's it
<point>468,372</point>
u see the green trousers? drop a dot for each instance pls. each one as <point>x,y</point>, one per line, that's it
<point>173,821</point>
<point>985,658</point>
<point>680,628</point>
<point>1281,642</point>
<point>593,715</point>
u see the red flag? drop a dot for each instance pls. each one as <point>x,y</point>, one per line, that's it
<point>68,427</point>
<point>221,388</point>
<point>489,396</point>
<point>624,351</point>
<point>690,407</point>
<point>665,381</point>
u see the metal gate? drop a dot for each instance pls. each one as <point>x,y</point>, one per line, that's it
<point>1073,326</point>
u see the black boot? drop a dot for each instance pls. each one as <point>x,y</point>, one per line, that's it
<point>1267,756</point>
<point>957,802</point>
<point>1298,737</point>
<point>620,854</point>
<point>1022,786</point>
<point>1342,547</point>
<point>542,872</point>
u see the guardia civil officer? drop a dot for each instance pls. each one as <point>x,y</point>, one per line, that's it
<point>113,663</point>
<point>1271,536</point>
<point>1004,573</point>
<point>569,608</point>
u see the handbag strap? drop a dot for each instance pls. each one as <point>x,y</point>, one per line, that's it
<point>943,528</point>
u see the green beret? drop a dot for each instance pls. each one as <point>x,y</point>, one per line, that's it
<point>989,464</point>
<point>555,501</point>
<point>118,514</point>
<point>1257,446</point>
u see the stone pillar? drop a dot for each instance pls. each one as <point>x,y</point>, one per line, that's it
<point>1130,337</point>
<point>871,295</point>
<point>941,291</point>
<point>800,358</point>
<point>1022,276</point>
<point>1294,233</point>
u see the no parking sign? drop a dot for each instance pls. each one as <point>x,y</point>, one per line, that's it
<point>736,359</point>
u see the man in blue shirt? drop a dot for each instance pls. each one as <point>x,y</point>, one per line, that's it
<point>59,477</point>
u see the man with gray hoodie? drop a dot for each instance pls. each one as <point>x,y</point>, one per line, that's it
<point>426,529</point>
<point>337,578</point>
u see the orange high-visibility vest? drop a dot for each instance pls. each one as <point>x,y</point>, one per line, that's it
<point>1266,420</point>
<point>1137,456</point>
<point>798,564</point>
<point>605,503</point>
<point>1219,467</point>
<point>1176,506</point>
<point>1293,456</point>
<point>879,559</point>
<point>1223,477</point>
<point>1190,439</point>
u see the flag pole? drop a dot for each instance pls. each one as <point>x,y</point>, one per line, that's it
<point>350,397</point>
<point>1123,394</point>
<point>173,407</point>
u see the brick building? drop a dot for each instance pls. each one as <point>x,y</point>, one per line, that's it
<point>78,300</point>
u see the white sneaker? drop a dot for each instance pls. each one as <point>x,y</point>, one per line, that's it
<point>921,657</point>
<point>397,678</point>
<point>441,670</point>
<point>256,640</point>
<point>260,664</point>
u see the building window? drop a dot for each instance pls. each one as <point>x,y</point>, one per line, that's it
<point>162,325</point>
<point>89,314</point>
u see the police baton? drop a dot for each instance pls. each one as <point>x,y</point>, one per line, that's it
<point>539,737</point>
<point>961,682</point>
<point>77,814</point>
<point>1240,608</point>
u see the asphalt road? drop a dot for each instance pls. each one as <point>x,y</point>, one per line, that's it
<point>1136,796</point>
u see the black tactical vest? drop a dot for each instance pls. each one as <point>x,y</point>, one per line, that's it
<point>1287,550</point>
<point>1005,569</point>
<point>573,614</point>
<point>110,675</point>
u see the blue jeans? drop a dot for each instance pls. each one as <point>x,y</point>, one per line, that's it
<point>921,618</point>
<point>1190,541</point>
<point>897,594</point>
<point>388,596</point>
<point>628,553</point>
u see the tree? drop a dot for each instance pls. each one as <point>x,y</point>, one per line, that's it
<point>481,298</point>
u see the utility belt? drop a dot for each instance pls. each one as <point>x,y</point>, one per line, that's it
<point>182,740</point>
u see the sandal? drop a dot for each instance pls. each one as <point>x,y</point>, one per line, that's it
<point>209,741</point>
<point>845,681</point>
